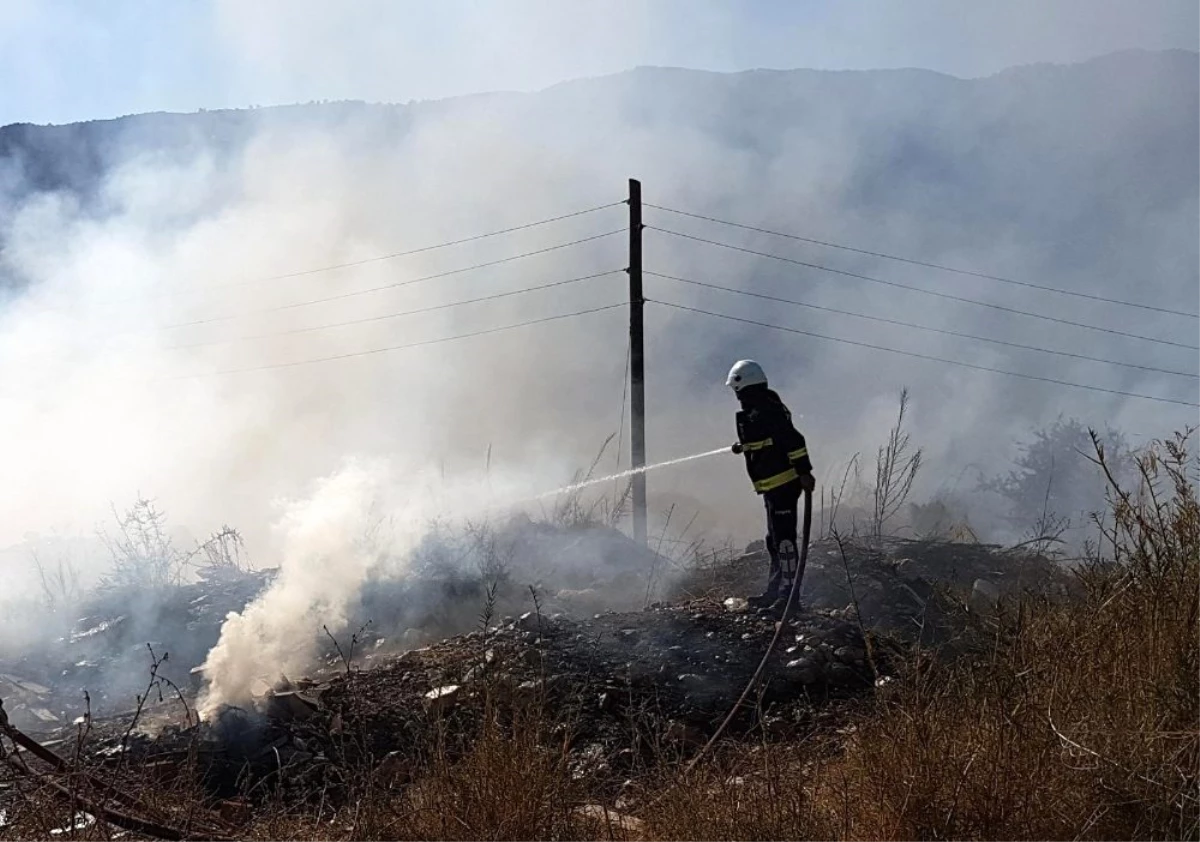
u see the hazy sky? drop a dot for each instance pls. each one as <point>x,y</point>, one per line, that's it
<point>68,60</point>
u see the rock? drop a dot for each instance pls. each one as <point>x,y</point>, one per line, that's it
<point>441,699</point>
<point>850,655</point>
<point>530,689</point>
<point>626,801</point>
<point>806,670</point>
<point>291,705</point>
<point>736,605</point>
<point>528,622</point>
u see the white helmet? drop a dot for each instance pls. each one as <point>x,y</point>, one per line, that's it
<point>745,373</point>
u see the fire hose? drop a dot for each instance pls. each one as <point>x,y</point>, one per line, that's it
<point>793,595</point>
<point>792,598</point>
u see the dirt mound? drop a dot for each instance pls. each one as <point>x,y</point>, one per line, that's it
<point>895,583</point>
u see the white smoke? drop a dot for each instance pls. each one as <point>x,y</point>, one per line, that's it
<point>98,403</point>
<point>362,521</point>
<point>329,542</point>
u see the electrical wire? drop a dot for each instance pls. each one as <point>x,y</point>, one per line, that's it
<point>389,348</point>
<point>919,327</point>
<point>923,291</point>
<point>383,316</point>
<point>926,264</point>
<point>378,258</point>
<point>923,356</point>
<point>395,285</point>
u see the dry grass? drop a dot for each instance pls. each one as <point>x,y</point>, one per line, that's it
<point>1074,720</point>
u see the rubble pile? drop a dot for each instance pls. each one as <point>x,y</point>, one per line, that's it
<point>623,687</point>
<point>681,665</point>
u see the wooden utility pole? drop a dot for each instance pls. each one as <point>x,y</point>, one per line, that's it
<point>637,363</point>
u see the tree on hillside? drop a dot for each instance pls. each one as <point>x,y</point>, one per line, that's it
<point>1054,485</point>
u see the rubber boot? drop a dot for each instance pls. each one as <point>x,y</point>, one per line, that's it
<point>777,606</point>
<point>768,597</point>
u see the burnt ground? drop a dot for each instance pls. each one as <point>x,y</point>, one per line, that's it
<point>101,644</point>
<point>623,687</point>
<point>898,586</point>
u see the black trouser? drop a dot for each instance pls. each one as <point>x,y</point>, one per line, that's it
<point>781,536</point>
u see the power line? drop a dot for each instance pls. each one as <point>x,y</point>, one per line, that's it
<point>395,285</point>
<point>391,256</point>
<point>927,264</point>
<point>921,327</point>
<point>924,291</point>
<point>383,316</point>
<point>924,356</point>
<point>422,343</point>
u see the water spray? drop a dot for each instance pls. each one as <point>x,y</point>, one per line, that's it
<point>568,489</point>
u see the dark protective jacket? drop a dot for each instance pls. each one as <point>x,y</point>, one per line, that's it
<point>775,451</point>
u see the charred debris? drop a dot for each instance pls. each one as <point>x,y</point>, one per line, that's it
<point>624,668</point>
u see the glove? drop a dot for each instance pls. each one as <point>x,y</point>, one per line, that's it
<point>808,482</point>
<point>737,447</point>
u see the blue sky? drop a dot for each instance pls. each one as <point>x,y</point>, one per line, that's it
<point>67,60</point>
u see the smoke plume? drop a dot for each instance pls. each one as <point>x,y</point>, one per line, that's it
<point>164,333</point>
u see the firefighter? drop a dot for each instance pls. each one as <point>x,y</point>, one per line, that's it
<point>778,464</point>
